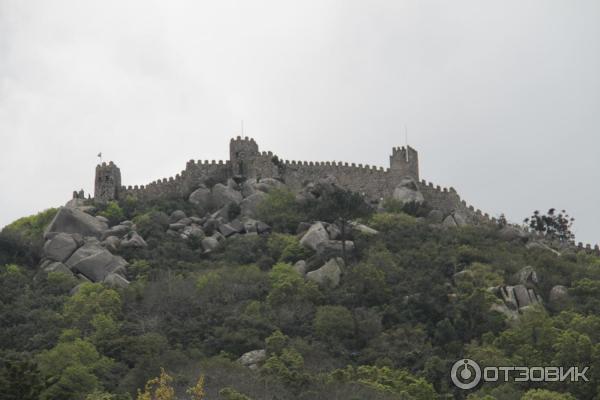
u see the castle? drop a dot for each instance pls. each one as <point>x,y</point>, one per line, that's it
<point>245,160</point>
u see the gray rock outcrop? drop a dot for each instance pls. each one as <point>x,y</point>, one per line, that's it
<point>328,274</point>
<point>60,247</point>
<point>408,192</point>
<point>253,359</point>
<point>209,244</point>
<point>133,240</point>
<point>222,195</point>
<point>249,206</point>
<point>95,262</point>
<point>71,220</point>
<point>201,197</point>
<point>315,235</point>
<point>300,267</point>
<point>559,298</point>
<point>116,281</point>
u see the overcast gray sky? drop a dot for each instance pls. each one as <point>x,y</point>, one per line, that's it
<point>501,98</point>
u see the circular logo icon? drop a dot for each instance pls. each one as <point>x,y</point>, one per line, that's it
<point>465,374</point>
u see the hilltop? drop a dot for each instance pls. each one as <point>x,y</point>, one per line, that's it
<point>288,280</point>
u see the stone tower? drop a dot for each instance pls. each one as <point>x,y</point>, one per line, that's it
<point>404,162</point>
<point>243,153</point>
<point>108,182</point>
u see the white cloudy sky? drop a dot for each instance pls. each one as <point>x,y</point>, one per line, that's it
<point>501,98</point>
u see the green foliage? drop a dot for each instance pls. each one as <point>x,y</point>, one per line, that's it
<point>22,240</point>
<point>414,300</point>
<point>232,394</point>
<point>152,224</point>
<point>245,249</point>
<point>389,221</point>
<point>281,210</point>
<point>73,368</point>
<point>92,307</point>
<point>288,366</point>
<point>388,380</point>
<point>551,224</point>
<point>32,227</point>
<point>338,205</point>
<point>541,394</point>
<point>113,212</point>
<point>391,205</point>
<point>334,323</point>
<point>99,395</point>
<point>20,379</point>
<point>286,248</point>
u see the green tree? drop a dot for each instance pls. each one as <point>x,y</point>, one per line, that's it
<point>113,212</point>
<point>20,379</point>
<point>542,394</point>
<point>334,324</point>
<point>281,210</point>
<point>552,224</point>
<point>90,301</point>
<point>232,394</point>
<point>72,369</point>
<point>341,206</point>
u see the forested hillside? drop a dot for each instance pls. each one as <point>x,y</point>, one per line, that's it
<point>270,315</point>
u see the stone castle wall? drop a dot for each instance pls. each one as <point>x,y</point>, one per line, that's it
<point>375,183</point>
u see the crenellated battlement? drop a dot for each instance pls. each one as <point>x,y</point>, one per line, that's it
<point>245,159</point>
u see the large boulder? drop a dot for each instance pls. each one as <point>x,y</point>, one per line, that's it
<point>95,263</point>
<point>449,222</point>
<point>328,274</point>
<point>88,249</point>
<point>117,230</point>
<point>559,299</point>
<point>363,229</point>
<point>247,188</point>
<point>209,244</point>
<point>249,206</point>
<point>460,219</point>
<point>57,267</point>
<point>201,197</point>
<point>71,220</point>
<point>333,248</point>
<point>300,267</point>
<point>111,243</point>
<point>524,296</point>
<point>435,216</point>
<point>527,277</point>
<point>116,281</point>
<point>133,240</point>
<point>253,358</point>
<point>315,235</point>
<point>408,192</point>
<point>177,215</point>
<point>267,184</point>
<point>60,248</point>
<point>510,232</point>
<point>193,231</point>
<point>223,195</point>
